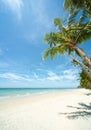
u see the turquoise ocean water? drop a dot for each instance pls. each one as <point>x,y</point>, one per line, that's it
<point>11,93</point>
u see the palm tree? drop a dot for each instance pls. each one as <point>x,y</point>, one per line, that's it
<point>78,4</point>
<point>72,6</point>
<point>85,68</point>
<point>67,38</point>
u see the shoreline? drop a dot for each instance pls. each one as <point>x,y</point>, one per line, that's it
<point>46,112</point>
<point>33,95</point>
<point>37,96</point>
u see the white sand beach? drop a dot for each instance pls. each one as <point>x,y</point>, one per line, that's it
<point>67,110</point>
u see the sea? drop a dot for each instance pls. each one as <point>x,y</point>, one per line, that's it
<point>13,93</point>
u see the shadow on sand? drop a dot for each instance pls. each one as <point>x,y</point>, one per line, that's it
<point>83,111</point>
<point>88,94</point>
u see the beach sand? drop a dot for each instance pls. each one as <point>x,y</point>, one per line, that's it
<point>66,110</point>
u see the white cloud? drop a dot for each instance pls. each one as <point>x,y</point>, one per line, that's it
<point>47,76</point>
<point>69,74</point>
<point>12,76</point>
<point>35,75</point>
<point>44,78</point>
<point>66,75</point>
<point>53,76</point>
<point>15,6</point>
<point>69,77</point>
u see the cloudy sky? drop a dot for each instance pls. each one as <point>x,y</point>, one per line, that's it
<point>23,24</point>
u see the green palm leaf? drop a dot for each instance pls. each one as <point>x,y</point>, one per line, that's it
<point>46,53</point>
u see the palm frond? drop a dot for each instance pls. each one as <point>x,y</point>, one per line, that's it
<point>67,4</point>
<point>46,53</point>
<point>50,38</point>
<point>60,49</point>
<point>58,23</point>
<point>53,52</point>
<point>85,33</point>
<point>83,17</point>
<point>84,37</point>
<point>46,38</point>
<point>72,17</point>
<point>69,50</point>
<point>50,52</point>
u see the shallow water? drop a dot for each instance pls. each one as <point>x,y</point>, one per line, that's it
<point>10,93</point>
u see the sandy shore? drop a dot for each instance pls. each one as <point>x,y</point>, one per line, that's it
<point>69,110</point>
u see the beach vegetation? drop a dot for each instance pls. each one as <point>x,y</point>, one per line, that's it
<point>85,80</point>
<point>72,5</point>
<point>69,34</point>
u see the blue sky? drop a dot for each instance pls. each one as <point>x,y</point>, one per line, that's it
<point>23,24</point>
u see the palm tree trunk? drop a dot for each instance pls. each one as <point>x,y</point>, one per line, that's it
<point>83,56</point>
<point>85,68</point>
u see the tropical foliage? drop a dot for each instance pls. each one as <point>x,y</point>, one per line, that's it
<point>71,33</point>
<point>67,37</point>
<point>71,5</point>
<point>85,80</point>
